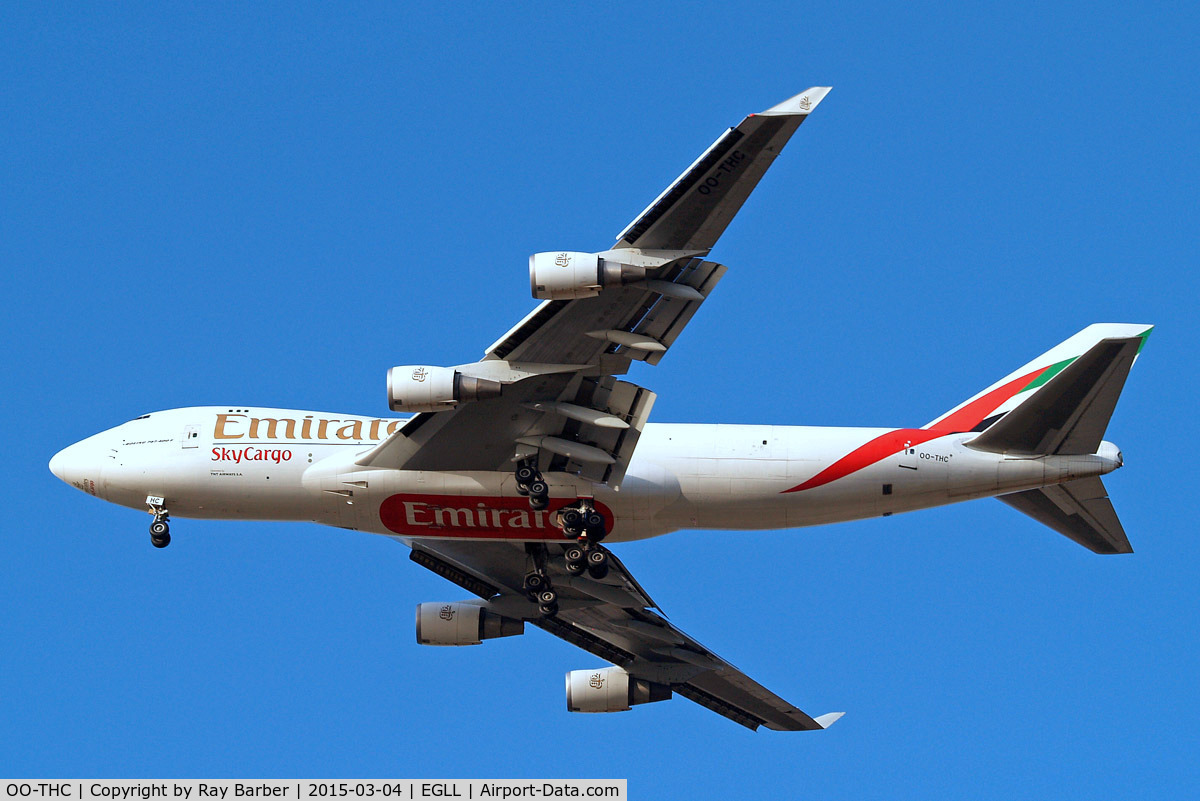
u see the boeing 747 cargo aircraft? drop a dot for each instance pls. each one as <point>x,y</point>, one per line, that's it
<point>513,476</point>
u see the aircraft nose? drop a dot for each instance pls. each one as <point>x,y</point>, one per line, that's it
<point>76,465</point>
<point>60,463</point>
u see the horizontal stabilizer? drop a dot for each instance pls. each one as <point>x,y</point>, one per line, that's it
<point>1079,510</point>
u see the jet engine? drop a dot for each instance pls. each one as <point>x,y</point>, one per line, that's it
<point>462,624</point>
<point>421,388</point>
<point>610,690</point>
<point>566,275</point>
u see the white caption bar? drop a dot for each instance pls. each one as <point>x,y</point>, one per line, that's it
<point>297,789</point>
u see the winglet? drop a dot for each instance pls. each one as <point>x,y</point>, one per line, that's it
<point>825,721</point>
<point>801,105</point>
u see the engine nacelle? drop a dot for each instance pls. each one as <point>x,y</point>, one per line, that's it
<point>462,624</point>
<point>566,275</point>
<point>610,690</point>
<point>421,388</point>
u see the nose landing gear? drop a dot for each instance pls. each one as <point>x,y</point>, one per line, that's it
<point>160,529</point>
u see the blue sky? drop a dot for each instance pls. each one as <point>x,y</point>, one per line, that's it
<point>272,204</point>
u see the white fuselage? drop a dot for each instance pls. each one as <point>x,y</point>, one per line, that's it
<point>275,464</point>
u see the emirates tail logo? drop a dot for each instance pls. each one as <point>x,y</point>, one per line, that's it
<point>805,104</point>
<point>562,260</point>
<point>446,612</point>
<point>419,374</point>
<point>596,682</point>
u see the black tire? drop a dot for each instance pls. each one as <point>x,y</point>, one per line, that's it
<point>598,572</point>
<point>597,557</point>
<point>548,597</point>
<point>574,555</point>
<point>161,541</point>
<point>534,583</point>
<point>538,487</point>
<point>576,568</point>
<point>522,489</point>
<point>548,611</point>
<point>538,502</point>
<point>526,474</point>
<point>572,519</point>
<point>159,528</point>
<point>595,521</point>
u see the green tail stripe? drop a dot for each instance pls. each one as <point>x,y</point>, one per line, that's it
<point>1048,373</point>
<point>1144,335</point>
<point>1055,369</point>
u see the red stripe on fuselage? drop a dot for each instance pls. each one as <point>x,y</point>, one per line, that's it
<point>893,442</point>
<point>866,455</point>
<point>483,517</point>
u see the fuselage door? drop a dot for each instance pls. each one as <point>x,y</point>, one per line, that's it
<point>908,457</point>
<point>191,437</point>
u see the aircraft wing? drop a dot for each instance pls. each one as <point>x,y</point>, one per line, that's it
<point>614,619</point>
<point>568,408</point>
<point>693,212</point>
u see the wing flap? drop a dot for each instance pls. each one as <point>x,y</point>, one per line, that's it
<point>667,317</point>
<point>628,403</point>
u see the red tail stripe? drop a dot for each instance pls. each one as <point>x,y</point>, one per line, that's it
<point>893,442</point>
<point>973,413</point>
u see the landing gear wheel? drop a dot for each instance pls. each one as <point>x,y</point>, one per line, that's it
<point>576,560</point>
<point>548,611</point>
<point>548,597</point>
<point>594,526</point>
<point>160,531</point>
<point>538,487</point>
<point>572,522</point>
<point>538,502</point>
<point>526,474</point>
<point>597,563</point>
<point>535,583</point>
<point>522,489</point>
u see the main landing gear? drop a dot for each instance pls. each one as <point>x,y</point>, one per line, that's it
<point>582,522</point>
<point>531,484</point>
<point>585,525</point>
<point>537,583</point>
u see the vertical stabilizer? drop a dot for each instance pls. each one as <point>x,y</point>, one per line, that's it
<point>1040,377</point>
<point>1060,404</point>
